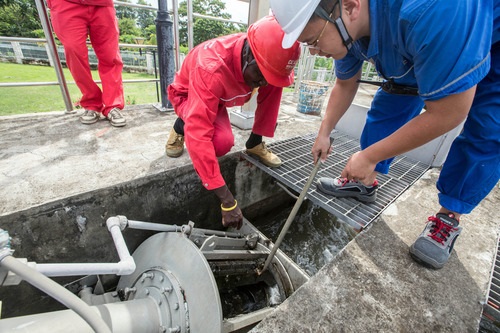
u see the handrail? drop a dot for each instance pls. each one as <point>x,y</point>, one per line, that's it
<point>47,30</point>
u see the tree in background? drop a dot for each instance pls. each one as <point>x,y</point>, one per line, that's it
<point>145,17</point>
<point>125,11</point>
<point>205,29</point>
<point>19,18</point>
<point>128,30</point>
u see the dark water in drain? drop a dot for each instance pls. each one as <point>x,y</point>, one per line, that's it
<point>314,237</point>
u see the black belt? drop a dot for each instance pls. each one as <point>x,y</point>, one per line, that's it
<point>391,87</point>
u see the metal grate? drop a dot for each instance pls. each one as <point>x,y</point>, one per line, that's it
<point>297,166</point>
<point>490,319</point>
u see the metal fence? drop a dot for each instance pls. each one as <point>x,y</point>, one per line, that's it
<point>25,53</point>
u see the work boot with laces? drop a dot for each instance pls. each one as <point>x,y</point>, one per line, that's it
<point>342,187</point>
<point>265,155</point>
<point>175,144</point>
<point>89,117</point>
<point>434,245</point>
<point>116,118</point>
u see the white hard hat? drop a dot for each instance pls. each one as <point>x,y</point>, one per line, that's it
<point>292,15</point>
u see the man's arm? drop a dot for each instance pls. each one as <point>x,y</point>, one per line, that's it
<point>441,116</point>
<point>341,97</point>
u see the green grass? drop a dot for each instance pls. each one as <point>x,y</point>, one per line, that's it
<point>19,100</point>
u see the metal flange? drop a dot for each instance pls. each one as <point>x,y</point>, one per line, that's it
<point>170,260</point>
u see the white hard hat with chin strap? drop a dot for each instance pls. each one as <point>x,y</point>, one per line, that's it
<point>293,15</point>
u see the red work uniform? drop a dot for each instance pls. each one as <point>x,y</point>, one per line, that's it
<point>73,21</point>
<point>210,80</point>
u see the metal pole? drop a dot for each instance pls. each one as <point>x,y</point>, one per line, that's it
<point>175,13</point>
<point>156,76</point>
<point>291,217</point>
<point>165,52</point>
<point>190,24</point>
<point>44,19</point>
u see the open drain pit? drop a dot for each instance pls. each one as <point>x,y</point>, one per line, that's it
<point>72,230</point>
<point>181,278</point>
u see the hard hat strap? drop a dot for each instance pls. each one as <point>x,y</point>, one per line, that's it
<point>246,54</point>
<point>338,22</point>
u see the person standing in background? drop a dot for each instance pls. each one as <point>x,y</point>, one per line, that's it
<point>75,20</point>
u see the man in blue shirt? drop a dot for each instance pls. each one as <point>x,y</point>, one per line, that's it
<point>441,54</point>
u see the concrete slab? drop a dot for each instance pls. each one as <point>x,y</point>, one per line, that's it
<point>45,157</point>
<point>372,285</point>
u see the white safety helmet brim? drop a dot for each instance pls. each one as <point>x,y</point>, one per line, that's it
<point>292,17</point>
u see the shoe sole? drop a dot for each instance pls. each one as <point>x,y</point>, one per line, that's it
<point>174,154</point>
<point>118,125</point>
<point>359,197</point>
<point>89,122</point>
<point>263,161</point>
<point>417,256</point>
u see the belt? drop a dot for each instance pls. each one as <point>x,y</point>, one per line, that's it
<point>391,87</point>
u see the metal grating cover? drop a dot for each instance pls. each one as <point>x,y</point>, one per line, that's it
<point>297,166</point>
<point>490,319</point>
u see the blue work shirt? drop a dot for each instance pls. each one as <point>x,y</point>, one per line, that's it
<point>439,46</point>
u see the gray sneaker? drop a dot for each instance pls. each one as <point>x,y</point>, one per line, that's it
<point>116,118</point>
<point>89,117</point>
<point>434,245</point>
<point>341,187</point>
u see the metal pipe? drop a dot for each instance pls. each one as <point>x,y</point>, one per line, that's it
<point>153,226</point>
<point>291,217</point>
<point>176,34</point>
<point>125,266</point>
<point>56,291</point>
<point>22,39</point>
<point>138,315</point>
<point>190,24</point>
<point>218,19</point>
<point>44,19</point>
<point>173,228</point>
<point>165,51</point>
<point>35,84</point>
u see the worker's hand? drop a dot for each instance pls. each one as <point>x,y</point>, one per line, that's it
<point>358,167</point>
<point>322,148</point>
<point>232,218</point>
<point>231,212</point>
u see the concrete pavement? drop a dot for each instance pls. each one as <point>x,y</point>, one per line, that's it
<point>372,285</point>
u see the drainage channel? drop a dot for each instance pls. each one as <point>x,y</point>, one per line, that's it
<point>297,166</point>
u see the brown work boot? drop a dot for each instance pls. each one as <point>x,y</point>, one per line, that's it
<point>175,144</point>
<point>265,155</point>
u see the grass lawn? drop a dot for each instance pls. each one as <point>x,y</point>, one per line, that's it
<point>18,100</point>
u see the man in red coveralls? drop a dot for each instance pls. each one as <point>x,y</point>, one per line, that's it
<point>224,72</point>
<point>73,21</point>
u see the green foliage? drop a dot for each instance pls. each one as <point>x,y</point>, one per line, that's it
<point>145,17</point>
<point>126,12</point>
<point>18,18</point>
<point>127,26</point>
<point>150,34</point>
<point>323,62</point>
<point>204,29</point>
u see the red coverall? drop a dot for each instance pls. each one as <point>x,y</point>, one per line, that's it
<point>73,21</point>
<point>210,80</point>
